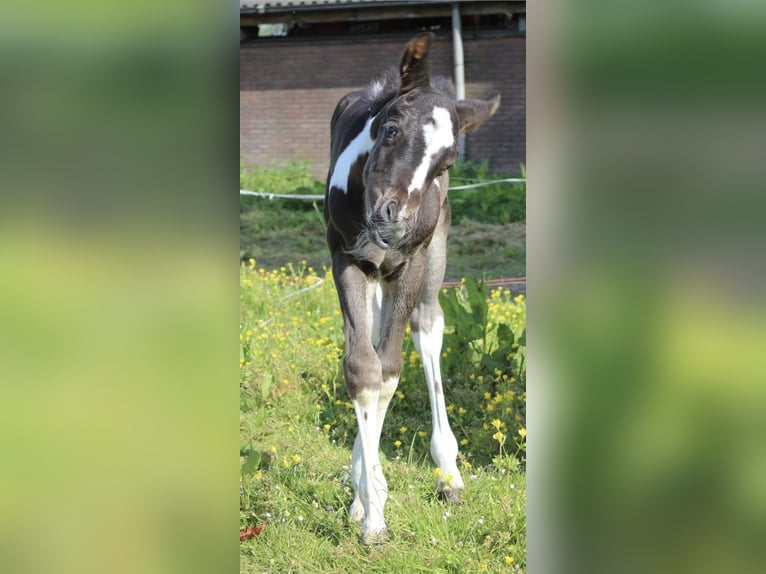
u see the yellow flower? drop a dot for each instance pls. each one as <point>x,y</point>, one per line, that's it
<point>437,472</point>
<point>497,423</point>
<point>461,411</point>
<point>499,437</point>
<point>523,432</point>
<point>397,443</point>
<point>509,560</point>
<point>296,458</point>
<point>422,434</point>
<point>273,450</point>
<point>403,430</point>
<point>483,566</point>
<point>447,478</point>
<point>464,442</point>
<point>487,396</point>
<point>450,408</point>
<point>285,463</point>
<point>400,394</point>
<point>327,428</point>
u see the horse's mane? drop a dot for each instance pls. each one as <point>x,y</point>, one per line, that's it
<point>385,86</point>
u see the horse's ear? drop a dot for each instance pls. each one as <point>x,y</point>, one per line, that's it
<point>473,113</point>
<point>414,68</point>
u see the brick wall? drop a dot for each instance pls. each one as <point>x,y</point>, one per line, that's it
<point>288,93</point>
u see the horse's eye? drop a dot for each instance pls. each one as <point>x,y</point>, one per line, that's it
<point>390,130</point>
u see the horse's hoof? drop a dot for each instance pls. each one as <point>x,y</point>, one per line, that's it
<point>451,495</point>
<point>375,537</point>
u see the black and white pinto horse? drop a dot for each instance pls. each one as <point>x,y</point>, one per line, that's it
<point>387,219</point>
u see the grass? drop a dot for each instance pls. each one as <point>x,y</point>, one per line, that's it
<point>486,250</point>
<point>297,430</point>
<point>487,239</point>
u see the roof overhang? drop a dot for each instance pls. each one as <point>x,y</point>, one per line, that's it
<point>252,13</point>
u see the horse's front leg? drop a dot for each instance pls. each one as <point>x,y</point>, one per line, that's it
<point>364,381</point>
<point>427,334</point>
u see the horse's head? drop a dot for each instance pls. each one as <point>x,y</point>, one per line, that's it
<point>415,141</point>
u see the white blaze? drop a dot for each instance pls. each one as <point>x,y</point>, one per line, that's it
<point>438,135</point>
<point>359,146</point>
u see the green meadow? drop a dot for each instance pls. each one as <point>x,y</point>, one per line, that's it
<point>297,428</point>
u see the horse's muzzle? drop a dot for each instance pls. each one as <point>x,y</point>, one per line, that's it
<point>384,232</point>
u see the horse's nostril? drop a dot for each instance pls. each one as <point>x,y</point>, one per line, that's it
<point>391,209</point>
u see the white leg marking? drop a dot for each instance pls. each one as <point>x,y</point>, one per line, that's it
<point>357,511</point>
<point>438,135</point>
<point>387,391</point>
<point>443,443</point>
<point>373,489</point>
<point>360,145</point>
<point>375,309</point>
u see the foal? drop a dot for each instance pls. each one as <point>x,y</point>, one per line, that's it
<point>387,219</point>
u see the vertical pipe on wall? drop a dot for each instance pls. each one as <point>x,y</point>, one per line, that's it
<point>459,71</point>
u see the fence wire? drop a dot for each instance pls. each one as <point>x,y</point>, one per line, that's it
<point>272,196</point>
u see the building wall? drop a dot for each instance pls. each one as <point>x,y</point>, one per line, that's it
<point>288,93</point>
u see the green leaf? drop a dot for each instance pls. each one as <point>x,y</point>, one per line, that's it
<point>266,385</point>
<point>504,335</point>
<point>252,463</point>
<point>474,331</point>
<point>448,306</point>
<point>490,363</point>
<point>478,301</point>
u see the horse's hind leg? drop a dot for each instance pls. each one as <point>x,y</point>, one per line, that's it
<point>427,333</point>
